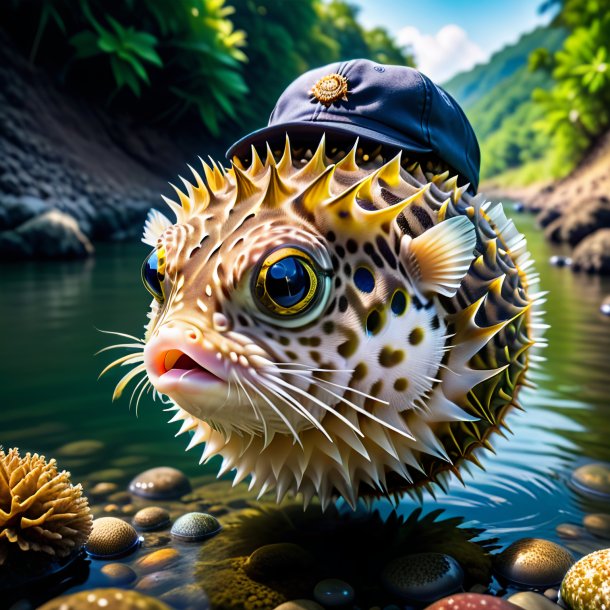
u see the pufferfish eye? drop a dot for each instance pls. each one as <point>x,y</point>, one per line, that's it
<point>153,271</point>
<point>288,282</point>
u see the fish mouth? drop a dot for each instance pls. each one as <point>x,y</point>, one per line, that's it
<point>189,371</point>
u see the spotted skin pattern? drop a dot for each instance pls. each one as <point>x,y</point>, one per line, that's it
<point>404,366</point>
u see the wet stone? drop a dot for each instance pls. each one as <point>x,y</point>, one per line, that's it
<point>111,537</point>
<point>187,597</point>
<point>109,599</point>
<point>423,577</point>
<point>333,593</point>
<point>157,560</point>
<point>110,474</point>
<point>194,527</point>
<point>100,490</point>
<point>300,604</point>
<point>120,497</point>
<point>472,601</point>
<point>80,448</point>
<point>604,308</point>
<point>163,483</point>
<point>151,518</point>
<point>533,562</point>
<point>118,574</point>
<point>598,524</point>
<point>593,480</point>
<point>532,601</point>
<point>552,594</point>
<point>569,531</point>
<point>587,584</point>
<point>158,582</point>
<point>560,261</point>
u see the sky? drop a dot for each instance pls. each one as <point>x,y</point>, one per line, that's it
<point>448,36</point>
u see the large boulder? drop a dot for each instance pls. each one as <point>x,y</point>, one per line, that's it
<point>593,253</point>
<point>51,235</point>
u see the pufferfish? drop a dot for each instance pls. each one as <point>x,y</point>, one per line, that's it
<point>340,323</point>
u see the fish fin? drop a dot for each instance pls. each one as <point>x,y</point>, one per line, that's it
<point>438,259</point>
<point>155,225</point>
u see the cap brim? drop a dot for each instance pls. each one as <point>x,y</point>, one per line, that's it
<point>259,136</point>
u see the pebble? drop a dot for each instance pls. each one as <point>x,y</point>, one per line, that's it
<point>151,518</point>
<point>111,537</point>
<point>109,599</point>
<point>110,474</point>
<point>273,560</point>
<point>120,497</point>
<point>423,577</point>
<point>158,582</point>
<point>593,480</point>
<point>472,601</point>
<point>80,448</point>
<point>552,594</point>
<point>194,527</point>
<point>569,531</point>
<point>587,584</point>
<point>118,574</point>
<point>157,560</point>
<point>533,562</point>
<point>332,593</point>
<point>604,308</point>
<point>299,604</point>
<point>519,206</point>
<point>532,601</point>
<point>163,483</point>
<point>598,524</point>
<point>102,489</point>
<point>187,596</point>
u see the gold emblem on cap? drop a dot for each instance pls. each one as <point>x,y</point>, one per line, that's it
<point>330,88</point>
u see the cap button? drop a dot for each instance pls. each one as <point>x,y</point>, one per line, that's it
<point>330,88</point>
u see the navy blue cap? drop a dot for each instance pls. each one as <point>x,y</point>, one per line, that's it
<point>396,106</point>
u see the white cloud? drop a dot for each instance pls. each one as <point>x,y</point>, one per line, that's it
<point>443,54</point>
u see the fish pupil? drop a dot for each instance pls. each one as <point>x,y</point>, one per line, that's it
<point>287,281</point>
<point>150,275</point>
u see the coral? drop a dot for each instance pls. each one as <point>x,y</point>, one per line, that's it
<point>40,510</point>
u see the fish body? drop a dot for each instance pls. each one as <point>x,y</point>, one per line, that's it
<point>336,323</point>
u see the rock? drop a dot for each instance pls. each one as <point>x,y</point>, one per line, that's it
<point>585,218</point>
<point>551,594</point>
<point>15,210</point>
<point>546,217</point>
<point>593,253</point>
<point>163,483</point>
<point>111,538</point>
<point>587,584</point>
<point>111,474</point>
<point>560,261</point>
<point>532,601</point>
<point>118,574</point>
<point>277,560</point>
<point>194,527</point>
<point>333,593</point>
<point>472,601</point>
<point>157,560</point>
<point>109,599</point>
<point>151,518</point>
<point>187,597</point>
<point>569,531</point>
<point>533,563</point>
<point>103,489</point>
<point>120,497</point>
<point>81,448</point>
<point>604,308</point>
<point>598,524</point>
<point>593,480</point>
<point>159,582</point>
<point>299,604</point>
<point>422,577</point>
<point>52,235</point>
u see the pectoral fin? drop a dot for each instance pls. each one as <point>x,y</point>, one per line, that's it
<point>155,225</point>
<point>438,260</point>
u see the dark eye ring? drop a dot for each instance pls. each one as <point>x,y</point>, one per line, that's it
<point>153,273</point>
<point>287,282</point>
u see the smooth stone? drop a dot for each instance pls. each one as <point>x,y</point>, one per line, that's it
<point>532,601</point>
<point>110,474</point>
<point>105,488</point>
<point>159,582</point>
<point>560,261</point>
<point>194,527</point>
<point>299,604</point>
<point>423,577</point>
<point>162,483</point>
<point>533,562</point>
<point>472,601</point>
<point>604,308</point>
<point>109,599</point>
<point>587,584</point>
<point>120,497</point>
<point>187,596</point>
<point>111,537</point>
<point>593,480</point>
<point>128,461</point>
<point>598,524</point>
<point>80,448</point>
<point>118,574</point>
<point>552,594</point>
<point>332,593</point>
<point>273,560</point>
<point>157,560</point>
<point>569,531</point>
<point>151,518</point>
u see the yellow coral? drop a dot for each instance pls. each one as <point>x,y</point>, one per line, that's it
<point>40,510</point>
